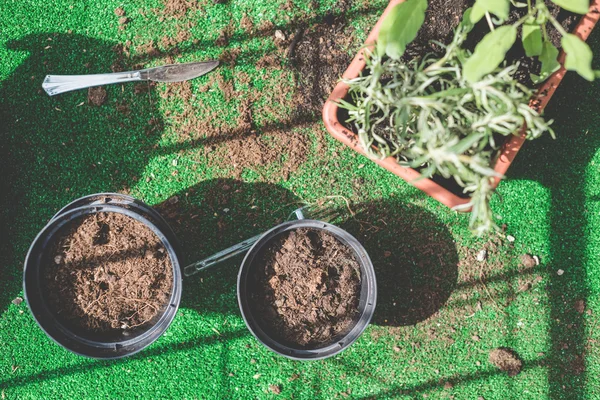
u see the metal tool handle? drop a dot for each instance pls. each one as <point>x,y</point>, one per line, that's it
<point>220,256</point>
<point>232,251</point>
<point>57,84</point>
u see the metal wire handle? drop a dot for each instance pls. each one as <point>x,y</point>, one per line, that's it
<point>305,212</point>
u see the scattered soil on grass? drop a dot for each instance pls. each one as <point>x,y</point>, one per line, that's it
<point>507,360</point>
<point>120,12</point>
<point>107,273</point>
<point>320,56</point>
<point>318,53</point>
<point>306,287</point>
<point>97,96</point>
<point>179,8</point>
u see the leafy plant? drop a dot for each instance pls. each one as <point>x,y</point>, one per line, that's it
<point>444,116</point>
<point>534,36</point>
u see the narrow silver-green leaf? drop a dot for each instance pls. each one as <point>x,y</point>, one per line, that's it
<point>467,24</point>
<point>532,40</point>
<point>576,6</point>
<point>400,27</point>
<point>489,53</point>
<point>499,8</point>
<point>579,56</point>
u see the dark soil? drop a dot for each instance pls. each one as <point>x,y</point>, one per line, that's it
<point>107,273</point>
<point>306,288</point>
<point>320,54</point>
<point>97,96</point>
<point>507,360</point>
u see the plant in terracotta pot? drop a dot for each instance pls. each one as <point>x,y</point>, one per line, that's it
<point>448,114</point>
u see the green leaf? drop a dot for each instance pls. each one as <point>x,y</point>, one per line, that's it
<point>576,6</point>
<point>489,53</point>
<point>579,56</point>
<point>532,40</point>
<point>400,27</point>
<point>477,12</point>
<point>549,60</point>
<point>467,24</point>
<point>499,8</point>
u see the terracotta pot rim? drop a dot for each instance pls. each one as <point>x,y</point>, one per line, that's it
<point>508,151</point>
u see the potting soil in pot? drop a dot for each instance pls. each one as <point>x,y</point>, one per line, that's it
<point>307,287</point>
<point>107,273</point>
<point>443,16</point>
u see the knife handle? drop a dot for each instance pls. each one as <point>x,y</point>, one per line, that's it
<point>57,84</point>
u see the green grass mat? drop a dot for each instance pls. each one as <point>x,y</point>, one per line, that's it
<point>440,312</point>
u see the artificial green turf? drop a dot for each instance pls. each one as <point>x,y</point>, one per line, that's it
<point>54,150</point>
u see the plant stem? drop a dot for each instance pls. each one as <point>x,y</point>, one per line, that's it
<point>489,21</point>
<point>557,25</point>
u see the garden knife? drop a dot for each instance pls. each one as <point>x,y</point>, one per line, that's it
<point>57,84</point>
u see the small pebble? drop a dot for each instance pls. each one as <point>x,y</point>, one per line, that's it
<point>17,301</point>
<point>58,260</point>
<point>510,238</point>
<point>279,35</point>
<point>482,255</point>
<point>560,272</point>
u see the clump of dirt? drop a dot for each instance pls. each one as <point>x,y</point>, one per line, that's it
<point>120,12</point>
<point>178,8</point>
<point>507,360</point>
<point>107,273</point>
<point>528,261</point>
<point>97,96</point>
<point>224,36</point>
<point>247,24</point>
<point>306,287</point>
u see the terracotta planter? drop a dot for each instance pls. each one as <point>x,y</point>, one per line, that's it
<point>508,151</point>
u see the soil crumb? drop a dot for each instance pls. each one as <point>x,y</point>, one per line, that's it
<point>507,360</point>
<point>307,287</point>
<point>97,96</point>
<point>107,273</point>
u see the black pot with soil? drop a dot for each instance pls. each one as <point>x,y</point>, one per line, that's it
<point>307,289</point>
<point>102,279</point>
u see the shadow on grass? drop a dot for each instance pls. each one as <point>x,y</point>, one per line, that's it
<point>56,149</point>
<point>154,351</point>
<point>414,256</point>
<point>217,214</point>
<point>561,166</point>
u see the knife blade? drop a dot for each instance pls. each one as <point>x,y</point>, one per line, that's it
<point>56,84</point>
<point>178,72</point>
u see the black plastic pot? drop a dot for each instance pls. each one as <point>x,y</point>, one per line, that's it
<point>366,308</point>
<point>90,345</point>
